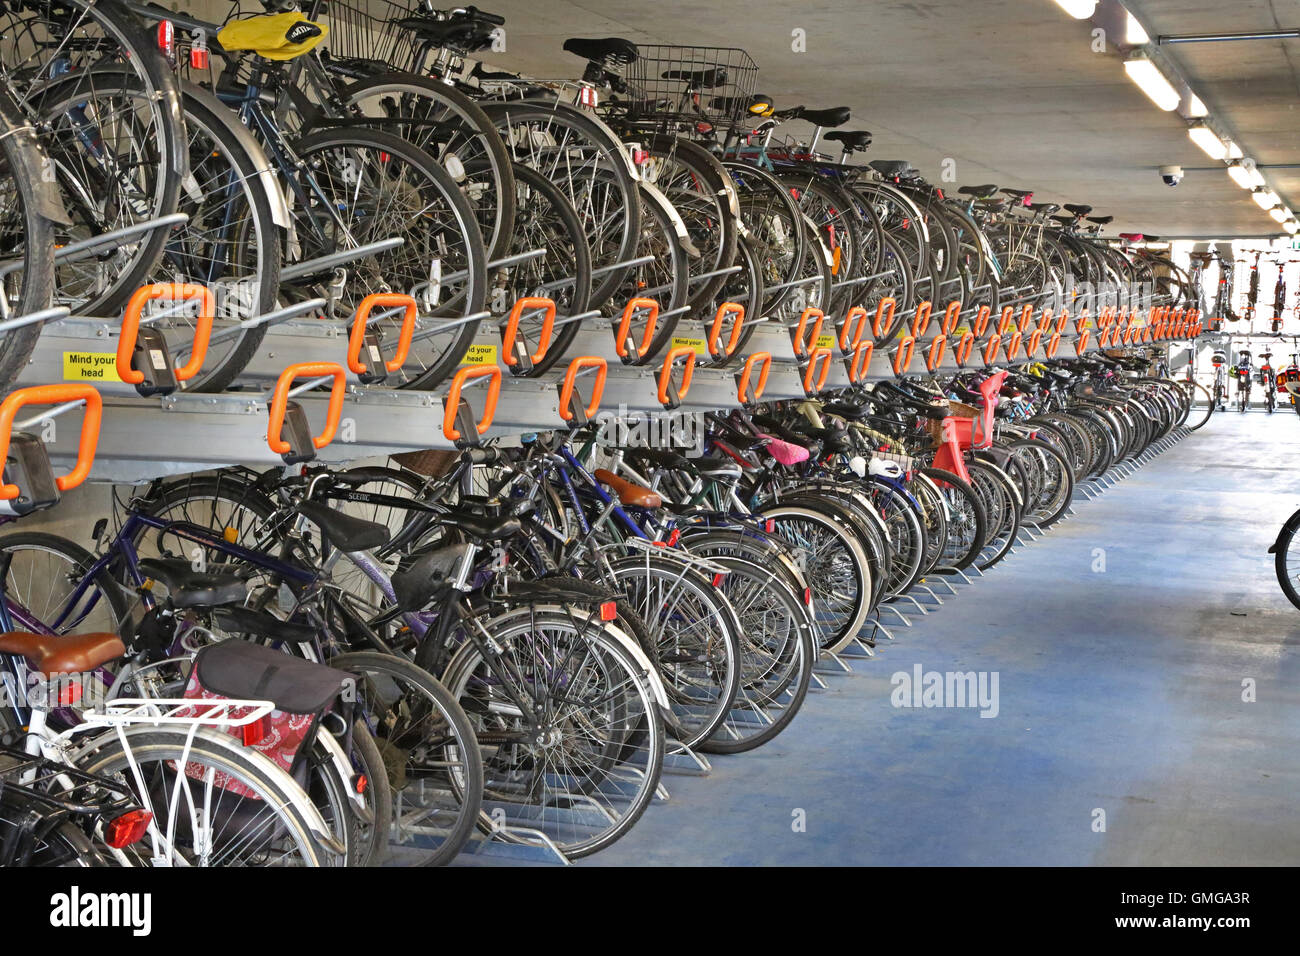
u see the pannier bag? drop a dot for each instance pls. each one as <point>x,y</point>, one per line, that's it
<point>302,692</point>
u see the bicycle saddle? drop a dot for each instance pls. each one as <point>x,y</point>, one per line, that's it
<point>663,458</point>
<point>344,531</point>
<point>979,192</point>
<point>786,452</point>
<point>756,105</point>
<point>415,584</point>
<point>891,168</point>
<point>699,79</point>
<point>1101,220</point>
<point>629,493</point>
<point>247,620</point>
<point>609,51</point>
<point>852,139</point>
<point>1202,256</point>
<point>469,30</point>
<point>1021,194</point>
<point>279,36</point>
<point>718,468</point>
<point>833,116</point>
<point>1077,209</point>
<point>1044,207</point>
<point>63,653</point>
<point>481,527</point>
<point>846,410</point>
<point>189,588</point>
<point>1063,220</point>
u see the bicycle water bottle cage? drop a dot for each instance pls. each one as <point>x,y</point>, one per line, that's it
<point>27,465</point>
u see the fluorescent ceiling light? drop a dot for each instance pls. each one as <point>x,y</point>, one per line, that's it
<point>1280,213</point>
<point>1240,175</point>
<point>1292,227</point>
<point>1152,82</point>
<point>1264,198</point>
<point>1079,9</point>
<point>1234,151</point>
<point>1204,137</point>
<point>1195,107</point>
<point>1134,35</point>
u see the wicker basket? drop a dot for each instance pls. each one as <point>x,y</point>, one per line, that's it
<point>432,462</point>
<point>955,410</point>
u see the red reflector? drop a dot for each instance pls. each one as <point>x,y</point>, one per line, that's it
<point>360,782</point>
<point>769,526</point>
<point>807,596</point>
<point>199,57</point>
<point>717,578</point>
<point>939,193</point>
<point>640,156</point>
<point>608,611</point>
<point>69,694</point>
<point>254,732</point>
<point>703,128</point>
<point>167,37</point>
<point>383,157</point>
<point>129,828</point>
<point>674,538</point>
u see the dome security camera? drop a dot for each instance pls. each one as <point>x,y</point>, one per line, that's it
<point>1171,175</point>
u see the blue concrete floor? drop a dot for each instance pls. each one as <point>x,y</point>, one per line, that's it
<point>1120,690</point>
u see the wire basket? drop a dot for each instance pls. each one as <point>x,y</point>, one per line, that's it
<point>906,462</point>
<point>369,30</point>
<point>955,410</point>
<point>696,82</point>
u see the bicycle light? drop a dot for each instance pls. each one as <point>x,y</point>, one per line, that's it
<point>129,828</point>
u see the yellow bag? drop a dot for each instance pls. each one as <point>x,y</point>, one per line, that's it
<point>279,36</point>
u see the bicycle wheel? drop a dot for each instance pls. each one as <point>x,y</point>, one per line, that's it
<point>774,226</point>
<point>428,745</point>
<point>777,653</point>
<point>453,129</point>
<point>33,835</point>
<point>1051,481</point>
<point>998,493</point>
<point>665,278</point>
<point>586,160</point>
<point>231,243</point>
<point>967,519</point>
<point>1286,559</point>
<point>229,807</point>
<point>357,186</point>
<point>579,773</point>
<point>26,238</point>
<point>693,638</point>
<point>834,563</point>
<point>41,587</point>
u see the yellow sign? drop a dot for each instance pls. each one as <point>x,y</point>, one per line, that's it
<point>90,367</point>
<point>825,341</point>
<point>699,345</point>
<point>480,355</point>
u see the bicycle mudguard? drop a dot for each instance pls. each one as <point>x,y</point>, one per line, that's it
<point>36,166</point>
<point>1288,527</point>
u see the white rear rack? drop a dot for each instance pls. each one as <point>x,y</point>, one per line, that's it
<point>125,711</point>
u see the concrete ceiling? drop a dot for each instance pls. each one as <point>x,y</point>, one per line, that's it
<point>1010,90</point>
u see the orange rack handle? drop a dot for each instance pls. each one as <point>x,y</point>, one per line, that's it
<point>853,329</point>
<point>1031,344</point>
<point>625,325</point>
<point>531,303</point>
<point>1053,345</point>
<point>877,326</point>
<point>280,402</point>
<point>1026,318</point>
<point>903,355</point>
<point>357,338</point>
<point>744,395</point>
<point>951,316</point>
<point>451,403</point>
<point>685,352</point>
<point>1013,346</point>
<point>981,323</point>
<point>860,363</point>
<point>819,361</point>
<point>55,395</point>
<point>964,347</point>
<point>1081,343</point>
<point>1004,323</point>
<point>921,320</point>
<point>938,349</point>
<point>597,388</point>
<point>991,346</point>
<point>172,292</point>
<point>1045,320</point>
<point>1062,321</point>
<point>737,313</point>
<point>805,339</point>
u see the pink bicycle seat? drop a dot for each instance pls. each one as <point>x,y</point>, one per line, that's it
<point>787,453</point>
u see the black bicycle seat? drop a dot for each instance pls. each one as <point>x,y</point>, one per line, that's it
<point>342,530</point>
<point>1077,209</point>
<point>833,116</point>
<point>189,588</point>
<point>979,192</point>
<point>662,458</point>
<point>469,31</point>
<point>891,168</point>
<point>1017,193</point>
<point>1101,220</point>
<point>480,527</point>
<point>699,79</point>
<point>846,410</point>
<point>1063,220</point>
<point>426,575</point>
<point>1044,207</point>
<point>609,50</point>
<point>852,139</point>
<point>247,620</point>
